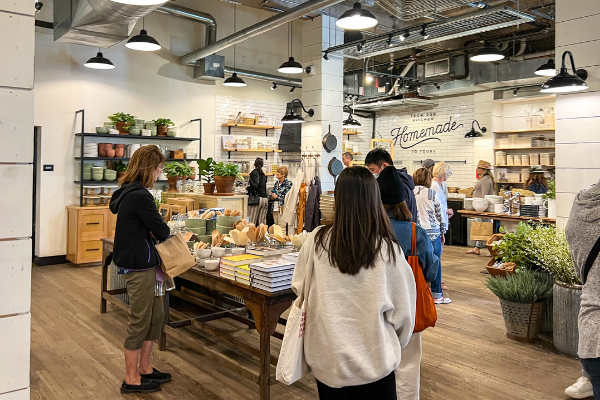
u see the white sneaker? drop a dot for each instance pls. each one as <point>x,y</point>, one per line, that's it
<point>582,389</point>
<point>442,300</point>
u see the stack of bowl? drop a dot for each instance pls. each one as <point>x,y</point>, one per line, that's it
<point>468,205</point>
<point>87,172</point>
<point>110,175</point>
<point>98,173</point>
<point>480,205</point>
<point>102,129</point>
<point>225,224</point>
<point>90,150</point>
<point>326,206</point>
<point>197,226</point>
<point>493,200</point>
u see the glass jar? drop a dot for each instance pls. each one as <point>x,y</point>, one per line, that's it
<point>180,186</point>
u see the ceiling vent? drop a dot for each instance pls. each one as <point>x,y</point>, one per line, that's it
<point>437,68</point>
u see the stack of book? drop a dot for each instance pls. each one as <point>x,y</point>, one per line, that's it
<point>237,268</point>
<point>273,275</point>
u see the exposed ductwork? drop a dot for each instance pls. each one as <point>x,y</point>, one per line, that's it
<point>211,24</point>
<point>257,29</point>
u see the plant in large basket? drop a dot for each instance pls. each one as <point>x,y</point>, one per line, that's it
<point>225,176</point>
<point>122,122</point>
<point>162,125</point>
<point>177,171</point>
<point>522,297</point>
<point>206,169</point>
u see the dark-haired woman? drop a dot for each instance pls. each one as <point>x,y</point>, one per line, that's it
<point>408,373</point>
<point>138,226</point>
<point>257,187</point>
<point>360,310</point>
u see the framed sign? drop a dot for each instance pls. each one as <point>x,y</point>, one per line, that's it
<point>386,144</point>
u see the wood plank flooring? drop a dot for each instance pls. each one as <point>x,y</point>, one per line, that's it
<point>76,352</point>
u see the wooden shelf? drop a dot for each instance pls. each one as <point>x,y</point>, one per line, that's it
<point>136,137</point>
<point>106,183</point>
<point>256,150</point>
<point>525,131</point>
<point>261,127</point>
<point>523,148</point>
<point>515,166</point>
<point>127,159</point>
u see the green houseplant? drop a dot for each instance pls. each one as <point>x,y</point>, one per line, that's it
<point>162,124</point>
<point>550,197</point>
<point>177,172</point>
<point>225,176</point>
<point>122,122</point>
<point>120,167</point>
<point>206,169</point>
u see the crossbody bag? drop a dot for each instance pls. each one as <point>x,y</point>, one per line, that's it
<point>590,261</point>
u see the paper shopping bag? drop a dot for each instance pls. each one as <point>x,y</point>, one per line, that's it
<point>482,230</point>
<point>175,255</point>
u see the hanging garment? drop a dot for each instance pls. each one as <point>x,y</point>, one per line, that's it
<point>290,208</point>
<point>301,208</point>
<point>313,212</point>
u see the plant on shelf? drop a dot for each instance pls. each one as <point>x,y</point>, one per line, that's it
<point>162,124</point>
<point>122,121</point>
<point>120,167</point>
<point>206,169</point>
<point>225,176</point>
<point>177,172</point>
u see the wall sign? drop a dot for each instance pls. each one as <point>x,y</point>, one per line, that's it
<point>408,138</point>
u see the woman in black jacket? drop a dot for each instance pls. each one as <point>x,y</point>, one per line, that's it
<point>139,225</point>
<point>258,188</point>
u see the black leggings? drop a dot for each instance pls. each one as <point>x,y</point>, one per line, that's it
<point>383,389</point>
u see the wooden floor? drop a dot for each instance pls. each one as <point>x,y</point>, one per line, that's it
<point>76,352</point>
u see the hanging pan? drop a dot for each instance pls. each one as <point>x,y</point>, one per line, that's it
<point>329,141</point>
<point>335,168</point>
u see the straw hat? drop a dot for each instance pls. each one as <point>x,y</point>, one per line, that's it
<point>484,165</point>
<point>536,169</point>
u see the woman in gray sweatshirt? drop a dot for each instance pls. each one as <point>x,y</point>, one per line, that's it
<point>360,310</point>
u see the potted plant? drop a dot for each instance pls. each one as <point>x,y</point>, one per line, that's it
<point>122,122</point>
<point>225,176</point>
<point>120,167</point>
<point>522,298</point>
<point>550,196</point>
<point>176,172</point>
<point>206,169</point>
<point>162,125</point>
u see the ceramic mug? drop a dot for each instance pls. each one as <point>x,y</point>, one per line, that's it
<point>498,208</point>
<point>538,202</point>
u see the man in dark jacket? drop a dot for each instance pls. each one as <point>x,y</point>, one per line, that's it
<point>379,159</point>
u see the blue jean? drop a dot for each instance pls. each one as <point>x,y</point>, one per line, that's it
<point>436,284</point>
<point>592,367</point>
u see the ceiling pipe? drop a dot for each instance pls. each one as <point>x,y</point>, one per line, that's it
<point>197,16</point>
<point>280,80</point>
<point>522,48</point>
<point>257,29</point>
<point>530,56</point>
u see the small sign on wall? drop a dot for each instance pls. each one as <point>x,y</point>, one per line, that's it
<point>48,167</point>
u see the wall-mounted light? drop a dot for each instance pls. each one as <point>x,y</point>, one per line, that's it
<point>99,62</point>
<point>274,86</point>
<point>487,53</point>
<point>357,18</point>
<point>473,133</point>
<point>424,32</point>
<point>350,121</point>
<point>547,69</point>
<point>290,115</point>
<point>292,89</point>
<point>565,82</point>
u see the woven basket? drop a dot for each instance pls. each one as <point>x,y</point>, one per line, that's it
<point>490,243</point>
<point>522,321</point>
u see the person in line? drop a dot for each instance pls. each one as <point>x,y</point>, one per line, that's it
<point>138,227</point>
<point>429,164</point>
<point>379,159</point>
<point>347,159</point>
<point>537,182</point>
<point>441,173</point>
<point>430,217</point>
<point>484,186</point>
<point>409,371</point>
<point>257,186</point>
<point>360,310</point>
<point>280,189</point>
<point>582,233</point>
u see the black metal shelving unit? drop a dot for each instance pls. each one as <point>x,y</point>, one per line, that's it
<point>123,139</point>
<point>255,127</point>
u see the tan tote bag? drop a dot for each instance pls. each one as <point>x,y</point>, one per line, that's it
<point>175,255</point>
<point>481,230</point>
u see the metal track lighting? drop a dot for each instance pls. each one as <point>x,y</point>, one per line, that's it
<point>424,32</point>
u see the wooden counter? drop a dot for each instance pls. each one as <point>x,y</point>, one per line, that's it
<point>504,217</point>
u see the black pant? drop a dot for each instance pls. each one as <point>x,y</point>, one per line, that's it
<point>592,367</point>
<point>383,389</point>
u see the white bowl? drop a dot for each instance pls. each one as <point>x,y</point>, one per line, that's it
<point>200,261</point>
<point>203,253</point>
<point>211,265</point>
<point>480,205</point>
<point>236,251</point>
<point>218,251</point>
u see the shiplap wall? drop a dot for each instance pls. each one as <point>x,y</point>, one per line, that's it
<point>16,176</point>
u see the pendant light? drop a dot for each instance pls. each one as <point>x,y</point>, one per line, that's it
<point>487,53</point>
<point>99,62</point>
<point>565,82</point>
<point>290,66</point>
<point>143,42</point>
<point>357,18</point>
<point>234,80</point>
<point>140,2</point>
<point>548,69</point>
<point>290,115</point>
<point>473,133</point>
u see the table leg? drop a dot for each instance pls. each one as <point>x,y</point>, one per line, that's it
<point>104,280</point>
<point>162,342</point>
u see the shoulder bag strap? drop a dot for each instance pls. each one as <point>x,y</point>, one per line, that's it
<point>413,245</point>
<point>590,260</point>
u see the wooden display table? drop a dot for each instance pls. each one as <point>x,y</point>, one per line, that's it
<point>504,217</point>
<point>266,309</point>
<point>235,202</point>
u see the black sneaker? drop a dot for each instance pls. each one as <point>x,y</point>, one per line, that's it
<point>146,386</point>
<point>157,376</point>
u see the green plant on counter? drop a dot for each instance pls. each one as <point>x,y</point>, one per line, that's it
<point>525,287</point>
<point>120,166</point>
<point>551,193</point>
<point>175,168</point>
<point>206,169</point>
<point>163,122</point>
<point>222,169</point>
<point>122,117</point>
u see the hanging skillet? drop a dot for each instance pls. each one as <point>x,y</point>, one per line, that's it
<point>329,141</point>
<point>335,168</point>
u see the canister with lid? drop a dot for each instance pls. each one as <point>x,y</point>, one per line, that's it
<point>501,158</point>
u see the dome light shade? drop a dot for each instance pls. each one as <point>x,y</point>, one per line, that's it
<point>487,53</point>
<point>357,18</point>
<point>140,2</point>
<point>565,82</point>
<point>99,62</point>
<point>234,80</point>
<point>290,67</point>
<point>548,69</point>
<point>143,42</point>
<point>291,117</point>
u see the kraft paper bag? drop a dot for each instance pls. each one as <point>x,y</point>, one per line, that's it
<point>175,255</point>
<point>482,230</point>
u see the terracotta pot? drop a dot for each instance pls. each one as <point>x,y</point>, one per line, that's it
<point>209,188</point>
<point>110,153</point>
<point>103,148</point>
<point>119,126</point>
<point>224,184</point>
<point>162,130</point>
<point>120,152</point>
<point>173,182</point>
<point>121,174</point>
<point>193,174</point>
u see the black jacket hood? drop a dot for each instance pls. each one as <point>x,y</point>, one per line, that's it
<point>120,193</point>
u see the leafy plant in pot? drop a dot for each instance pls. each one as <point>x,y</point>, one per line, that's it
<point>162,125</point>
<point>177,172</point>
<point>122,122</point>
<point>225,176</point>
<point>206,169</point>
<point>120,167</point>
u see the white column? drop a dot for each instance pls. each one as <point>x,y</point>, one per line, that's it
<point>322,91</point>
<point>577,114</point>
<point>483,146</point>
<point>17,27</point>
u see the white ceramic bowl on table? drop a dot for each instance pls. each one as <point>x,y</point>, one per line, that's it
<point>203,253</point>
<point>480,205</point>
<point>218,251</point>
<point>212,265</point>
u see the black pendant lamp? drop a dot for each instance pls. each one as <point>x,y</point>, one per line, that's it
<point>234,80</point>
<point>291,117</point>
<point>143,42</point>
<point>565,82</point>
<point>99,62</point>
<point>487,53</point>
<point>474,133</point>
<point>357,18</point>
<point>291,66</point>
<point>548,69</point>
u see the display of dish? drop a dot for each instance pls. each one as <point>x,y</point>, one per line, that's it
<point>480,205</point>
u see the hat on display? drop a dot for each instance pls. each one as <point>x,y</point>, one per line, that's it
<point>390,186</point>
<point>536,169</point>
<point>428,163</point>
<point>484,165</point>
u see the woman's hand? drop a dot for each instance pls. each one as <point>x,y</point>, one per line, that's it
<point>450,212</point>
<point>273,196</point>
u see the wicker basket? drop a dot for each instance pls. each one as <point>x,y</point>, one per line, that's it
<point>247,121</point>
<point>490,243</point>
<point>522,321</point>
<point>497,271</point>
<point>468,192</point>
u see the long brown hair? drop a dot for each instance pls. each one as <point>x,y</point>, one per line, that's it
<point>537,178</point>
<point>360,226</point>
<point>142,165</point>
<point>423,177</point>
<point>398,211</point>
